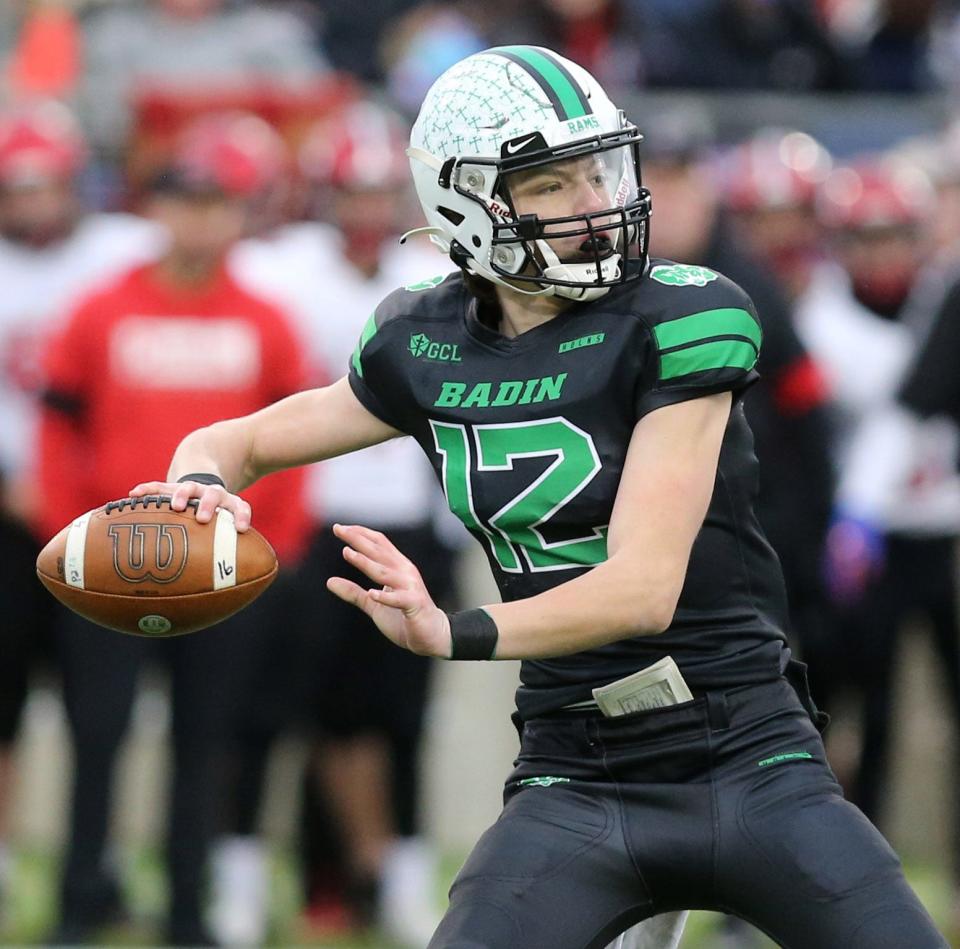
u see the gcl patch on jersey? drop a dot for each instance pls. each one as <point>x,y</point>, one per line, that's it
<point>421,345</point>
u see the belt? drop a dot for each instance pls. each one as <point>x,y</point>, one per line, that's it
<point>589,706</point>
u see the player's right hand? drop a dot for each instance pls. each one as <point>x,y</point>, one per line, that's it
<point>209,496</point>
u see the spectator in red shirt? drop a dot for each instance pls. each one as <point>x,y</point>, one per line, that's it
<point>170,345</point>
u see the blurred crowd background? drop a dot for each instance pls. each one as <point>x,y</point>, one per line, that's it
<point>200,206</point>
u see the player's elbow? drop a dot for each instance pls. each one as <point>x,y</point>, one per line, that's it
<point>642,600</point>
<point>637,613</point>
<point>658,615</point>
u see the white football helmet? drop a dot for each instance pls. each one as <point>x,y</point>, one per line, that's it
<point>509,110</point>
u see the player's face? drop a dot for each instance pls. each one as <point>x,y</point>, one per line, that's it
<point>575,186</point>
<point>875,251</point>
<point>882,263</point>
<point>789,239</point>
<point>368,211</point>
<point>774,228</point>
<point>38,213</point>
<point>202,226</point>
<point>367,218</point>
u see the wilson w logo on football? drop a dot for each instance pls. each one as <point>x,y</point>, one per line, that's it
<point>156,552</point>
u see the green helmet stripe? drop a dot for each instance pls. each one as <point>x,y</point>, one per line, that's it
<point>553,77</point>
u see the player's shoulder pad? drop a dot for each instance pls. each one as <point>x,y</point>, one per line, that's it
<point>427,299</point>
<point>673,290</point>
<point>699,320</point>
<point>433,299</point>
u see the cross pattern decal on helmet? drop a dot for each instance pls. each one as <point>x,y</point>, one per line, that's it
<point>487,82</point>
<point>682,275</point>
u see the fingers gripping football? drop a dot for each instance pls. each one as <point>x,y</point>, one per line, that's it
<point>402,609</point>
<point>209,496</point>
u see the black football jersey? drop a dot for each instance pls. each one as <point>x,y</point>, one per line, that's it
<point>528,436</point>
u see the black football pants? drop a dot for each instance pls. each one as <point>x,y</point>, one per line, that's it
<point>725,803</point>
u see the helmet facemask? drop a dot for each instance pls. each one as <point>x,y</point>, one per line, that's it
<point>595,246</point>
<point>575,255</point>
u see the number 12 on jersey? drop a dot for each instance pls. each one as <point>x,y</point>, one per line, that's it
<point>515,530</point>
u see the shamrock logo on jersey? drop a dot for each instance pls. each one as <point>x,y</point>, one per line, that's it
<point>682,275</point>
<point>418,344</point>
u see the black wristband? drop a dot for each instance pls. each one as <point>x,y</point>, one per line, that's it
<point>203,477</point>
<point>473,634</point>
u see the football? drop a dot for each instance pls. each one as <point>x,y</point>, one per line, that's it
<point>138,566</point>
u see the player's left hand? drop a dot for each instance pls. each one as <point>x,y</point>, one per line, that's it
<point>403,609</point>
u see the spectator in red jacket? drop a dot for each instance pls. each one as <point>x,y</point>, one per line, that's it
<point>168,346</point>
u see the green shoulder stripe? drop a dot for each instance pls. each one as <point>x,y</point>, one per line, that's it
<point>706,325</point>
<point>368,332</point>
<point>716,354</point>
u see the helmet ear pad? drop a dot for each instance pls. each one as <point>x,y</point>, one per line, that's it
<point>512,258</point>
<point>509,259</point>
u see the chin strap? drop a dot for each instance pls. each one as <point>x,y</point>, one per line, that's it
<point>556,269</point>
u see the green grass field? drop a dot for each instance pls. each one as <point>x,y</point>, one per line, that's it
<point>31,905</point>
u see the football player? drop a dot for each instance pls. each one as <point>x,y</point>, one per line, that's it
<point>581,406</point>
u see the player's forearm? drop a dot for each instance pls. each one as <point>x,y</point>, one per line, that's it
<point>237,451</point>
<point>223,449</point>
<point>616,600</point>
<point>298,430</point>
